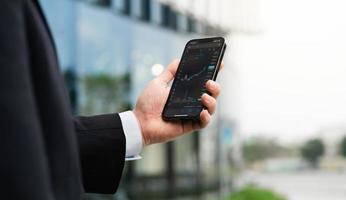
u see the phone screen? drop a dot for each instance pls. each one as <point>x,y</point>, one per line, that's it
<point>199,63</point>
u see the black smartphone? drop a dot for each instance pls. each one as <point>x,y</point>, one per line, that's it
<point>200,62</point>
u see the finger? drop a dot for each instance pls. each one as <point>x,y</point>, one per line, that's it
<point>196,125</point>
<point>222,65</point>
<point>209,102</point>
<point>214,88</point>
<point>204,118</point>
<point>187,127</point>
<point>168,74</point>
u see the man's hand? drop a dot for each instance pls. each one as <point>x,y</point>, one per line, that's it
<point>150,103</point>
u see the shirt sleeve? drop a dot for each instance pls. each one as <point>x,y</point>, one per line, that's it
<point>133,135</point>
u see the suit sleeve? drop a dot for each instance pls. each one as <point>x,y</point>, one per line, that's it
<point>102,151</point>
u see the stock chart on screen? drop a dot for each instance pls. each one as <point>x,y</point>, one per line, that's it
<point>196,68</point>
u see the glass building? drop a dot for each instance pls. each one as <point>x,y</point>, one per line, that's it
<point>108,50</point>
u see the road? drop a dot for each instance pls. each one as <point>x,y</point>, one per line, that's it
<point>305,185</point>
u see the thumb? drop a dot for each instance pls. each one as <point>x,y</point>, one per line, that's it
<point>168,74</point>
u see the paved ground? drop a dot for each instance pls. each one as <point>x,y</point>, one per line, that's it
<point>306,185</point>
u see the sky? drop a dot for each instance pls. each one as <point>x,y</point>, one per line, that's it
<point>291,74</point>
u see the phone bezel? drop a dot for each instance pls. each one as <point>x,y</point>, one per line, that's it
<point>215,72</point>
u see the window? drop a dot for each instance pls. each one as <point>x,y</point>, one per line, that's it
<point>165,13</point>
<point>103,3</point>
<point>191,25</point>
<point>169,17</point>
<point>124,6</point>
<point>146,10</point>
<point>127,7</point>
<point>173,20</point>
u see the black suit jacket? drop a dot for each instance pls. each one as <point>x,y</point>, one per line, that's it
<point>45,152</point>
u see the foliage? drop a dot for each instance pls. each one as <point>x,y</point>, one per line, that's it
<point>104,93</point>
<point>343,147</point>
<point>255,193</point>
<point>312,150</point>
<point>256,149</point>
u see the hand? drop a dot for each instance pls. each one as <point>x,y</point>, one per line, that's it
<point>151,102</point>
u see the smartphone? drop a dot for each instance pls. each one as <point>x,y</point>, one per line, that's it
<point>200,62</point>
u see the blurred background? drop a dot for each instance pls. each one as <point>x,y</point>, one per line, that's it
<point>280,129</point>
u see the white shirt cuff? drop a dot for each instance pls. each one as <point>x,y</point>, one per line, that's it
<point>133,135</point>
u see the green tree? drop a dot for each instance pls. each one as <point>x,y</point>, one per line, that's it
<point>312,150</point>
<point>255,193</point>
<point>103,93</point>
<point>343,147</point>
<point>258,148</point>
